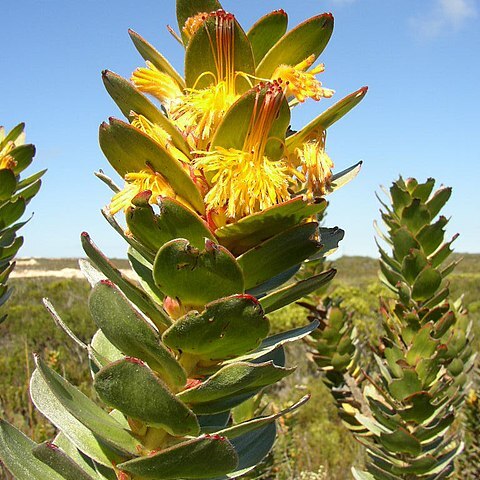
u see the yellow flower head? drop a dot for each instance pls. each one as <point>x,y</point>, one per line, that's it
<point>159,84</point>
<point>200,110</point>
<point>6,160</point>
<point>140,182</point>
<point>315,166</point>
<point>159,135</point>
<point>472,397</point>
<point>247,181</point>
<point>301,84</point>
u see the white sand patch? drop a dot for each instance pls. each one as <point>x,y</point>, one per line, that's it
<point>26,262</point>
<point>63,273</point>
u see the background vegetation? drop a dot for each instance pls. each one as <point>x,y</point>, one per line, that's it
<point>306,450</point>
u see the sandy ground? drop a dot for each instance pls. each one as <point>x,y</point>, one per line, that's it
<point>22,271</point>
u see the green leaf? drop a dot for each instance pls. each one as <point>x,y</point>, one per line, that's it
<point>400,198</point>
<point>8,252</point>
<point>426,284</point>
<point>249,231</point>
<point>8,184</point>
<point>88,413</point>
<point>308,38</point>
<point>401,441</point>
<point>296,291</point>
<point>131,334</point>
<point>174,221</point>
<point>190,8</point>
<point>228,327</point>
<point>203,55</point>
<point>413,264</point>
<point>327,118</point>
<point>130,150</point>
<point>29,192</point>
<point>12,135</point>
<point>251,448</point>
<point>10,212</point>
<point>340,179</point>
<point>195,276</point>
<point>145,252</point>
<point>431,236</point>
<point>423,190</point>
<point>442,253</point>
<point>80,435</point>
<point>415,216</point>
<point>23,156</point>
<point>61,463</point>
<point>406,386</point>
<point>102,352</point>
<point>96,470</point>
<point>277,341</point>
<point>202,457</point>
<point>235,125</point>
<point>149,53</point>
<point>128,98</point>
<point>277,254</point>
<point>144,270</point>
<point>31,179</point>
<point>266,32</point>
<point>403,242</point>
<point>141,300</point>
<point>16,455</point>
<point>422,347</point>
<point>438,200</point>
<point>358,475</point>
<point>240,429</point>
<point>329,238</point>
<point>131,387</point>
<point>221,391</point>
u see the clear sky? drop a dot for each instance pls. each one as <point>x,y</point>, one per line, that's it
<point>420,117</point>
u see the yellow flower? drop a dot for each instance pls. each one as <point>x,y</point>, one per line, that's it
<point>472,397</point>
<point>159,84</point>
<point>6,160</point>
<point>197,112</point>
<point>315,166</point>
<point>301,84</point>
<point>246,181</point>
<point>159,135</point>
<point>140,182</point>
<point>200,112</point>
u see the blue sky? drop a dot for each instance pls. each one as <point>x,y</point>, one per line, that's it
<point>420,117</point>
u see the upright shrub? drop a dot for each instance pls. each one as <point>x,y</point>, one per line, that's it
<point>220,201</point>
<point>15,194</point>
<point>468,465</point>
<point>411,397</point>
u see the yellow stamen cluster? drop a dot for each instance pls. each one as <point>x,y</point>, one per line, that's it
<point>472,398</point>
<point>246,181</point>
<point>201,111</point>
<point>159,84</point>
<point>192,24</point>
<point>243,183</point>
<point>235,182</point>
<point>301,84</point>
<point>315,167</point>
<point>158,134</point>
<point>6,160</point>
<point>136,183</point>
